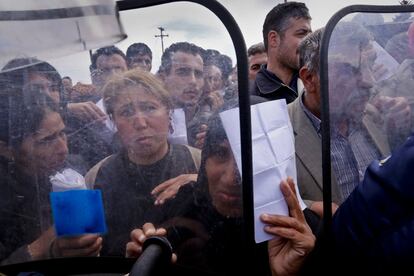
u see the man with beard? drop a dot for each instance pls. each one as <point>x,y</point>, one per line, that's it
<point>283,29</point>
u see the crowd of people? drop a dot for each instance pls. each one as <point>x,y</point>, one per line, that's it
<point>117,134</point>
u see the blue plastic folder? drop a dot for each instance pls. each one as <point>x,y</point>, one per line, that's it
<point>77,212</point>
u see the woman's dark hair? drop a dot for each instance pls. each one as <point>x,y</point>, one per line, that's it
<point>21,111</point>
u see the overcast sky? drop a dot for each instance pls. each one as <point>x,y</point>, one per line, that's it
<point>191,22</point>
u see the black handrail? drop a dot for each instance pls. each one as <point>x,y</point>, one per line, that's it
<point>157,253</point>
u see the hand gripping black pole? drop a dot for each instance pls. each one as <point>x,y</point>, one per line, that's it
<point>157,252</point>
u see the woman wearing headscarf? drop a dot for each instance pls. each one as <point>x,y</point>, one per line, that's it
<point>210,237</point>
<point>33,147</point>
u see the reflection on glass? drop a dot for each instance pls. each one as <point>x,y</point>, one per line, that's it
<point>115,128</point>
<point>210,233</point>
<point>34,148</point>
<point>49,29</point>
<point>370,102</point>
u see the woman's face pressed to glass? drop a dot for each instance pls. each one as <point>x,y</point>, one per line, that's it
<point>224,181</point>
<point>143,123</point>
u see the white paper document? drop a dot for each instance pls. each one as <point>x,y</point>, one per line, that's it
<point>108,122</point>
<point>385,64</point>
<point>273,152</point>
<point>179,128</point>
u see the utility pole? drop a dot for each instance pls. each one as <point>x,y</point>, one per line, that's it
<point>162,35</point>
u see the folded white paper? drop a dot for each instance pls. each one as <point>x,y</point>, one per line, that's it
<point>384,61</point>
<point>179,128</point>
<point>273,151</point>
<point>108,122</point>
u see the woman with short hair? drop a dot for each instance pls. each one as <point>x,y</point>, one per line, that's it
<point>130,179</point>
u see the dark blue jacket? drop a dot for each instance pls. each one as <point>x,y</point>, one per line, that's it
<point>375,225</point>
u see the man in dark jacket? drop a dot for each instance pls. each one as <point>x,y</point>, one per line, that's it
<point>284,27</point>
<point>375,225</point>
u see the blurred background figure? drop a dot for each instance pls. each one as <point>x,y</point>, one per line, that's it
<point>95,139</point>
<point>213,73</point>
<point>33,147</point>
<point>139,55</point>
<point>257,56</point>
<point>217,68</point>
<point>67,86</point>
<point>233,75</point>
<point>105,62</point>
<point>67,82</point>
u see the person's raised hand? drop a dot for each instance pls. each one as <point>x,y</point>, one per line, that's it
<point>87,245</point>
<point>138,236</point>
<point>169,189</point>
<point>294,241</point>
<point>87,112</point>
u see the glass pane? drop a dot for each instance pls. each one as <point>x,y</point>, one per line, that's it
<point>86,117</point>
<point>370,96</point>
<point>32,28</point>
